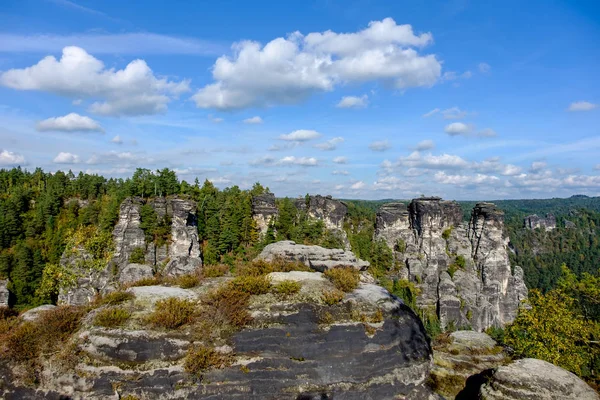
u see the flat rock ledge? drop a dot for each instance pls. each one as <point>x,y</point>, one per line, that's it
<point>315,257</point>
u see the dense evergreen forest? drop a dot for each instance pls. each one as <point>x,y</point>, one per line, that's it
<point>40,212</point>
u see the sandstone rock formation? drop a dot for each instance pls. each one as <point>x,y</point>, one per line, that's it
<point>4,294</point>
<point>264,211</point>
<point>368,346</point>
<point>316,257</point>
<point>180,255</point>
<point>325,208</point>
<point>533,221</point>
<point>528,378</point>
<point>462,270</point>
<point>34,313</point>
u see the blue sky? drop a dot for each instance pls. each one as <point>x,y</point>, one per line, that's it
<point>358,99</point>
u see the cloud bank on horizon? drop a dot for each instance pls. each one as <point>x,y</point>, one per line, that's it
<point>380,102</point>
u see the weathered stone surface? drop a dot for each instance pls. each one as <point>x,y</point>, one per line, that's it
<point>34,313</point>
<point>316,257</point>
<point>135,272</point>
<point>4,293</point>
<point>332,212</point>
<point>264,211</point>
<point>152,294</point>
<point>529,379</point>
<point>533,222</point>
<point>461,355</point>
<point>429,236</point>
<point>127,234</point>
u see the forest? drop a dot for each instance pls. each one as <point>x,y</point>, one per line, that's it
<point>40,212</point>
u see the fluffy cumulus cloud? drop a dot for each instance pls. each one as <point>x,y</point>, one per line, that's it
<point>582,106</point>
<point>134,90</point>
<point>10,159</point>
<point>301,135</point>
<point>381,145</point>
<point>353,102</point>
<point>458,129</point>
<point>254,120</point>
<point>358,185</point>
<point>465,180</point>
<point>340,172</point>
<point>331,144</point>
<point>66,158</point>
<point>425,145</point>
<point>117,140</point>
<point>288,70</point>
<point>340,160</point>
<point>69,123</point>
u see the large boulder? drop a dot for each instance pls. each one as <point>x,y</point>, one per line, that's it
<point>529,379</point>
<point>315,257</point>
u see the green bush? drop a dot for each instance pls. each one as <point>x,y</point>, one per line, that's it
<point>114,298</point>
<point>111,317</point>
<point>331,297</point>
<point>287,288</point>
<point>251,284</point>
<point>407,291</point>
<point>200,358</point>
<point>137,256</point>
<point>446,233</point>
<point>172,313</point>
<point>345,279</point>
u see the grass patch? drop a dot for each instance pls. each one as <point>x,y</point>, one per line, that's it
<point>187,281</point>
<point>200,359</point>
<point>331,297</point>
<point>111,317</point>
<point>287,288</point>
<point>172,313</point>
<point>262,267</point>
<point>215,271</point>
<point>345,279</point>
<point>251,284</point>
<point>114,298</point>
<point>232,304</point>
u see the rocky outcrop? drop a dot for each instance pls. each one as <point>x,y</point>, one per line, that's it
<point>367,346</point>
<point>315,257</point>
<point>458,356</point>
<point>178,255</point>
<point>533,222</point>
<point>325,208</point>
<point>34,313</point>
<point>264,211</point>
<point>462,269</point>
<point>530,379</point>
<point>4,293</point>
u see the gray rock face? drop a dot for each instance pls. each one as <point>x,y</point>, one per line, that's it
<point>135,272</point>
<point>34,313</point>
<point>430,238</point>
<point>127,234</point>
<point>332,212</point>
<point>532,379</point>
<point>316,257</point>
<point>90,283</point>
<point>264,210</point>
<point>4,294</point>
<point>533,221</point>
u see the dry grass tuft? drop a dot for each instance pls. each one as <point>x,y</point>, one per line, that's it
<point>331,297</point>
<point>287,288</point>
<point>345,279</point>
<point>111,317</point>
<point>114,298</point>
<point>215,271</point>
<point>172,313</point>
<point>200,359</point>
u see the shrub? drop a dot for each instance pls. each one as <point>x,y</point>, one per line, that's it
<point>232,304</point>
<point>262,267</point>
<point>331,297</point>
<point>446,234</point>
<point>172,313</point>
<point>215,271</point>
<point>114,298</point>
<point>137,256</point>
<point>407,291</point>
<point>187,281</point>
<point>23,342</point>
<point>111,317</point>
<point>400,245</point>
<point>459,263</point>
<point>345,279</point>
<point>287,288</point>
<point>251,284</point>
<point>200,359</point>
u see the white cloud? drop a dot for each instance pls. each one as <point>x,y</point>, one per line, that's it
<point>358,185</point>
<point>484,68</point>
<point>432,112</point>
<point>582,106</point>
<point>69,123</point>
<point>117,139</point>
<point>301,135</point>
<point>381,145</point>
<point>302,161</point>
<point>537,166</point>
<point>288,70</point>
<point>430,161</point>
<point>465,180</point>
<point>487,132</point>
<point>454,113</point>
<point>331,144</point>
<point>134,90</point>
<point>66,158</point>
<point>340,172</point>
<point>458,128</point>
<point>425,145</point>
<point>353,102</point>
<point>253,120</point>
<point>340,160</point>
<point>8,158</point>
